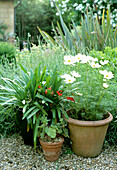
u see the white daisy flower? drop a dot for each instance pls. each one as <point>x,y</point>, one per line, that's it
<point>107,74</point>
<point>78,57</point>
<point>68,60</point>
<point>103,62</point>
<point>75,74</point>
<point>69,79</point>
<point>94,65</point>
<point>105,85</point>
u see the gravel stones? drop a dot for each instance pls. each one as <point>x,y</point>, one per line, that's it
<point>14,155</point>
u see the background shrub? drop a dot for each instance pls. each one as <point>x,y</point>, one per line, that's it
<point>31,14</point>
<point>7,52</point>
<point>75,9</point>
<point>7,121</point>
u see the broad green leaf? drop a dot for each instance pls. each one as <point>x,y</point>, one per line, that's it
<point>26,113</point>
<point>33,113</point>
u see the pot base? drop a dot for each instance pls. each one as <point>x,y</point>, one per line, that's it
<point>88,136</point>
<point>51,151</point>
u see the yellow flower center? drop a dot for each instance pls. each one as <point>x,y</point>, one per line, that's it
<point>94,65</point>
<point>69,60</point>
<point>69,80</point>
<point>106,75</point>
<point>78,58</point>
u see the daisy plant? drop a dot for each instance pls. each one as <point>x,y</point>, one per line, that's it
<point>40,96</point>
<point>88,84</point>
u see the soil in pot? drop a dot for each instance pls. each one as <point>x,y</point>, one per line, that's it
<point>52,148</point>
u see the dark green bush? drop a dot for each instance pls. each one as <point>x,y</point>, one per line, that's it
<point>8,124</point>
<point>7,52</point>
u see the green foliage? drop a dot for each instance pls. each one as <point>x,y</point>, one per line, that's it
<point>3,27</point>
<point>93,35</point>
<point>7,121</point>
<point>7,52</point>
<point>111,104</point>
<point>108,54</point>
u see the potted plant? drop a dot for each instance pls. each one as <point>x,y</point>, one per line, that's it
<point>21,93</point>
<point>39,95</point>
<point>50,101</point>
<point>88,84</point>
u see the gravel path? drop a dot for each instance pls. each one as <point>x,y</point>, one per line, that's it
<point>14,155</point>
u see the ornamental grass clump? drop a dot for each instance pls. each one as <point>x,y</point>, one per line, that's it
<point>88,84</point>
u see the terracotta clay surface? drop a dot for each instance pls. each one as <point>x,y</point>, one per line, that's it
<point>88,136</point>
<point>51,150</point>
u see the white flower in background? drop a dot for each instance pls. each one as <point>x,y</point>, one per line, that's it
<point>114,25</point>
<point>75,5</point>
<point>84,59</point>
<point>43,82</point>
<point>103,62</point>
<point>64,76</point>
<point>68,60</point>
<point>75,74</point>
<point>99,12</point>
<point>79,94</point>
<point>96,1</point>
<point>92,59</point>
<point>94,65</point>
<point>52,5</point>
<point>104,79</point>
<point>23,102</point>
<point>107,74</point>
<point>64,6</point>
<point>79,7</point>
<point>102,72</point>
<point>69,79</point>
<point>105,85</point>
<point>87,4</point>
<point>57,13</point>
<point>78,57</point>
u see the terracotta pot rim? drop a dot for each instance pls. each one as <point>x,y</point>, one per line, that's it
<point>52,144</point>
<point>90,123</point>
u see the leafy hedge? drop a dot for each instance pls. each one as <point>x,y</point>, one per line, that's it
<point>7,52</point>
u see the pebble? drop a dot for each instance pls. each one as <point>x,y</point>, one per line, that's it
<point>15,155</point>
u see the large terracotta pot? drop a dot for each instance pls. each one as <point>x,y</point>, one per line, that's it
<point>88,136</point>
<point>51,150</point>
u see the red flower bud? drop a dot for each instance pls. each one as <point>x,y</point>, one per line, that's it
<point>46,92</point>
<point>71,98</point>
<point>49,88</point>
<point>52,93</point>
<point>39,86</point>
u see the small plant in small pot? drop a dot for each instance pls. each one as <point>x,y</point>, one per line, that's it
<point>50,138</point>
<point>88,84</point>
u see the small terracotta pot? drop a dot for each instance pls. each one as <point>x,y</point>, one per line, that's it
<point>88,136</point>
<point>52,150</point>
